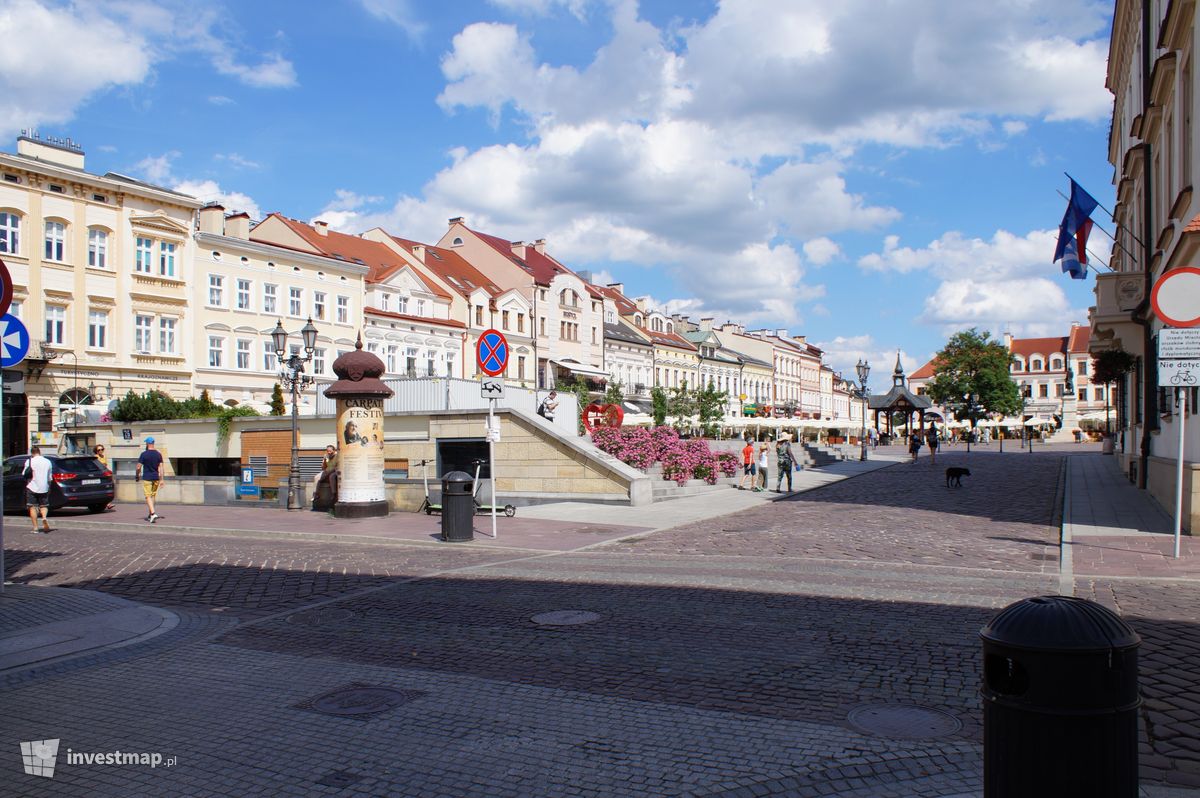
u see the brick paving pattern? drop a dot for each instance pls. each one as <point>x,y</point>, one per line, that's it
<point>726,659</point>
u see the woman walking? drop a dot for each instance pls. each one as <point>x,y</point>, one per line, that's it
<point>914,444</point>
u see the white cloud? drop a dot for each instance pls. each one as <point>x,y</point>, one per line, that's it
<point>90,54</point>
<point>220,99</point>
<point>954,256</point>
<point>577,8</point>
<point>238,161</point>
<point>821,251</point>
<point>210,191</point>
<point>157,168</point>
<point>1024,306</point>
<point>398,12</point>
<point>844,352</point>
<point>1014,127</point>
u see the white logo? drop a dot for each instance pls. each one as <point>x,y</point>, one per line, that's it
<point>39,757</point>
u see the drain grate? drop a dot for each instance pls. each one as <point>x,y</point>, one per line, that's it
<point>339,779</point>
<point>322,616</point>
<point>903,721</point>
<point>565,618</point>
<point>359,700</point>
<point>1044,557</point>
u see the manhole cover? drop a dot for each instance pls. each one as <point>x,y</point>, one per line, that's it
<point>339,778</point>
<point>359,700</point>
<point>322,616</point>
<point>565,618</point>
<point>903,722</point>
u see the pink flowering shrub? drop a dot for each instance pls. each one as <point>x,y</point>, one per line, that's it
<point>681,460</point>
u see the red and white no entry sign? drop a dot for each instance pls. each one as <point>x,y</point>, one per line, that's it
<point>1176,297</point>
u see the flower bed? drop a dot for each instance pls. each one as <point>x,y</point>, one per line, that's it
<point>681,460</point>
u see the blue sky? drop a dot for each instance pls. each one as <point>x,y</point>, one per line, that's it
<point>872,175</point>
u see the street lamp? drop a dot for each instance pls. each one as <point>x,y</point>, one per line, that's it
<point>294,379</point>
<point>1026,395</point>
<point>864,370</point>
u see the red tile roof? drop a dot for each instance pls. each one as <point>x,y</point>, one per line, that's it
<point>543,267</point>
<point>1038,346</point>
<point>452,267</point>
<point>408,317</point>
<point>381,262</point>
<point>1079,339</point>
<point>669,339</point>
<point>625,305</point>
<point>925,372</point>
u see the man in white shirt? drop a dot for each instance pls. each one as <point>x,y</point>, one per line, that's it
<point>37,490</point>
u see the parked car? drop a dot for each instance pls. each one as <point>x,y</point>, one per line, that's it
<point>75,481</point>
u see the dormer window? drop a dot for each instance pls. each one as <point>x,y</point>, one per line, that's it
<point>457,242</point>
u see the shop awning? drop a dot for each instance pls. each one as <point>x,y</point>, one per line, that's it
<point>582,369</point>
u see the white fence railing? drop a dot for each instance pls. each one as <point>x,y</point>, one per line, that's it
<point>449,393</point>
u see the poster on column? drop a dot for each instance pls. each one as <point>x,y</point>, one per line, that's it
<point>360,449</point>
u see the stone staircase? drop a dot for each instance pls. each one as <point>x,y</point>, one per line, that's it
<point>816,456</point>
<point>665,490</point>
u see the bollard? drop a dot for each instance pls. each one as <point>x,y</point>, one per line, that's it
<point>1060,701</point>
<point>458,507</point>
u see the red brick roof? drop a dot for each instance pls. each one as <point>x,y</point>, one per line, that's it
<point>543,267</point>
<point>925,372</point>
<point>1079,339</point>
<point>409,317</point>
<point>1039,346</point>
<point>625,305</point>
<point>381,262</point>
<point>448,264</point>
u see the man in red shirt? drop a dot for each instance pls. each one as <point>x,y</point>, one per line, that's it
<point>748,469</point>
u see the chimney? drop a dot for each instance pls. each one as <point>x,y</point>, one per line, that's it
<point>1008,341</point>
<point>781,334</point>
<point>418,251</point>
<point>641,303</point>
<point>540,247</point>
<point>518,248</point>
<point>585,275</point>
<point>321,227</point>
<point>706,324</point>
<point>237,225</point>
<point>212,219</point>
<point>618,287</point>
<point>457,220</point>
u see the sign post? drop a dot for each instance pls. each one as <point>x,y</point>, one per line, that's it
<point>491,356</point>
<point>1179,368</point>
<point>14,346</point>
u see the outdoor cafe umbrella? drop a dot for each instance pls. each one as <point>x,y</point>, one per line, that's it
<point>1038,421</point>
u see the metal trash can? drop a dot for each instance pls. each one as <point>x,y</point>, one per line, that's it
<point>1060,701</point>
<point>458,507</point>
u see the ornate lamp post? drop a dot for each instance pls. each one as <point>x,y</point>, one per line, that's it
<point>294,379</point>
<point>864,370</point>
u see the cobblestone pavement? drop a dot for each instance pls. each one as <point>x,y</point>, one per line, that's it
<point>726,658</point>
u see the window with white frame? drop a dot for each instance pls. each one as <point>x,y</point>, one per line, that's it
<point>97,329</point>
<point>318,361</point>
<point>243,353</point>
<point>216,351</point>
<point>243,294</point>
<point>319,305</point>
<point>343,310</point>
<point>450,365</point>
<point>402,304</point>
<point>143,255</point>
<point>410,362</point>
<point>10,232</point>
<point>166,335</point>
<point>142,326</point>
<point>295,302</point>
<point>420,307</point>
<point>392,352</point>
<point>56,241</point>
<point>385,301</point>
<point>56,324</point>
<point>166,259</point>
<point>97,248</point>
<point>430,365</point>
<point>270,298</point>
<point>270,359</point>
<point>216,290</point>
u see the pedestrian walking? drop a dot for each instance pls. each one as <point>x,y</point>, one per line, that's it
<point>37,490</point>
<point>764,458</point>
<point>914,444</point>
<point>98,453</point>
<point>149,472</point>
<point>548,406</point>
<point>785,461</point>
<point>749,471</point>
<point>933,442</point>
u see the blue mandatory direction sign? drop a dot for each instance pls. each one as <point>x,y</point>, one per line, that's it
<point>14,341</point>
<point>491,353</point>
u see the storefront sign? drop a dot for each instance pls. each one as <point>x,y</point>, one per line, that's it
<point>360,449</point>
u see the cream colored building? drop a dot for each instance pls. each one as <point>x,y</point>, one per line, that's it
<point>89,256</point>
<point>244,284</point>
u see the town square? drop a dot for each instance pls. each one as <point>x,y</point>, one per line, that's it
<point>599,398</point>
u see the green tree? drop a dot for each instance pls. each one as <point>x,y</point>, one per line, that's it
<point>1111,366</point>
<point>681,405</point>
<point>658,404</point>
<point>582,398</point>
<point>710,407</point>
<point>971,377</point>
<point>614,394</point>
<point>278,408</point>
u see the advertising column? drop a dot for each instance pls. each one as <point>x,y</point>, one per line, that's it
<point>360,394</point>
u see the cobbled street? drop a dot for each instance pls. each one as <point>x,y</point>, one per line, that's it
<point>735,656</point>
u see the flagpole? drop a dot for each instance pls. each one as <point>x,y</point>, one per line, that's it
<point>1102,230</point>
<point>1106,210</point>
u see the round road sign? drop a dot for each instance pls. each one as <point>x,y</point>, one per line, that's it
<point>14,340</point>
<point>491,353</point>
<point>6,289</point>
<point>1176,297</point>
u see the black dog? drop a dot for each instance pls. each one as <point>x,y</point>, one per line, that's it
<point>954,476</point>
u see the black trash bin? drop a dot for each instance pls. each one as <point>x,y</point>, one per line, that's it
<point>458,507</point>
<point>1060,701</point>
